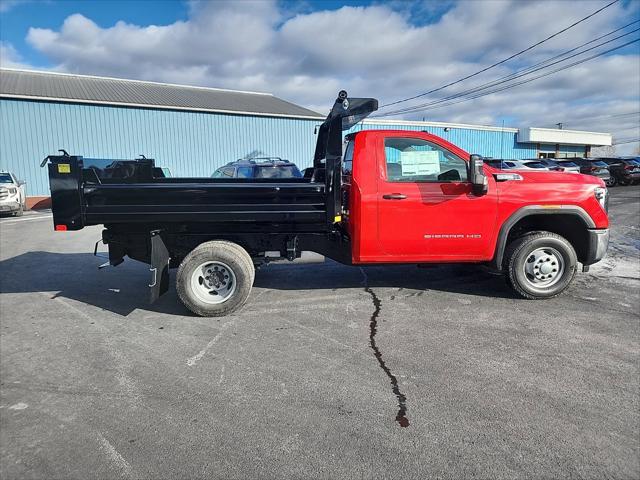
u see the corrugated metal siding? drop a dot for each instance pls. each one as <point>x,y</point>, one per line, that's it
<point>487,143</point>
<point>190,143</point>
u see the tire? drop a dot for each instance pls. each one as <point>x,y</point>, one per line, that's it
<point>19,212</point>
<point>612,182</point>
<point>215,278</point>
<point>624,182</point>
<point>540,265</point>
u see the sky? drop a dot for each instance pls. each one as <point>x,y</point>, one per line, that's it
<point>306,51</point>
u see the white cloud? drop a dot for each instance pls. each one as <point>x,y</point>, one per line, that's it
<point>6,5</point>
<point>379,50</point>
<point>10,58</point>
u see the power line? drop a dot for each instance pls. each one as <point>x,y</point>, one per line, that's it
<point>518,74</point>
<point>636,127</point>
<point>504,60</point>
<point>623,142</point>
<point>596,117</point>
<point>565,67</point>
<point>615,115</point>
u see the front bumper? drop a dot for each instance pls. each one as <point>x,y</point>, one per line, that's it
<point>631,176</point>
<point>597,247</point>
<point>9,206</point>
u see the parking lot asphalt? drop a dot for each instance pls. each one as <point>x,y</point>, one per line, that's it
<point>328,372</point>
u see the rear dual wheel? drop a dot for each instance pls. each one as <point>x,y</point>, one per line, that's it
<point>540,265</point>
<point>215,278</point>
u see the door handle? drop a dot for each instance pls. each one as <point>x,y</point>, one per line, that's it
<point>394,196</point>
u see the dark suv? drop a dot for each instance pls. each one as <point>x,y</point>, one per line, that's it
<point>262,167</point>
<point>624,170</point>
<point>595,167</point>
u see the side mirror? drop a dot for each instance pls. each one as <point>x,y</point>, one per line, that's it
<point>478,179</point>
<point>21,183</point>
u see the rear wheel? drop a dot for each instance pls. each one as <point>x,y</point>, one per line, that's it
<point>540,265</point>
<point>215,278</point>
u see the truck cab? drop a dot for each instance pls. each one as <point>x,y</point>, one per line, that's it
<point>411,200</point>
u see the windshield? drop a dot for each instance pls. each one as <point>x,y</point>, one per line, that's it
<point>5,178</point>
<point>535,165</point>
<point>280,171</point>
<point>599,163</point>
<point>498,163</point>
<point>568,164</point>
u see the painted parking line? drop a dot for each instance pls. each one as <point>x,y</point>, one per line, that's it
<point>25,219</point>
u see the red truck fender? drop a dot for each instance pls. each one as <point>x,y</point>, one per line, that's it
<point>529,211</point>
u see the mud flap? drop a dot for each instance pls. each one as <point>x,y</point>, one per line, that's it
<point>159,267</point>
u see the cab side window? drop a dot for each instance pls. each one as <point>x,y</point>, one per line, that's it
<point>347,161</point>
<point>416,160</point>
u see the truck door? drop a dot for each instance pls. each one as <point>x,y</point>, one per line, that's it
<point>426,209</point>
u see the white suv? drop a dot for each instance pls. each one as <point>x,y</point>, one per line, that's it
<point>12,194</point>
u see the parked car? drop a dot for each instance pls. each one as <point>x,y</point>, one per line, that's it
<point>263,167</point>
<point>624,170</point>
<point>12,194</point>
<point>568,166</point>
<point>595,167</point>
<point>560,165</point>
<point>511,164</point>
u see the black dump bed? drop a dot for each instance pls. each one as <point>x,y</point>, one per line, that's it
<point>136,194</point>
<point>93,191</point>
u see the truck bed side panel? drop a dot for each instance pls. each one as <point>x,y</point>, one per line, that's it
<point>204,202</point>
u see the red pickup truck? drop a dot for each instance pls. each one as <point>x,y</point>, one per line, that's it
<point>376,197</point>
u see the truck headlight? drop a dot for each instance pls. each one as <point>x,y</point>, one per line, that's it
<point>602,195</point>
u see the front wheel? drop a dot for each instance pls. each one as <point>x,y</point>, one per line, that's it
<point>611,182</point>
<point>540,265</point>
<point>215,278</point>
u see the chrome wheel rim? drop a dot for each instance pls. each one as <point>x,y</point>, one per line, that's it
<point>543,267</point>
<point>213,282</point>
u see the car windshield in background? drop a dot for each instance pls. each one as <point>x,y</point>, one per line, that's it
<point>535,165</point>
<point>4,178</point>
<point>599,163</point>
<point>568,164</point>
<point>503,164</point>
<point>278,171</point>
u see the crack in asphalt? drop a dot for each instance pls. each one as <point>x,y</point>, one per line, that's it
<point>401,416</point>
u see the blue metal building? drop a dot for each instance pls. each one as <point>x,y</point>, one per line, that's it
<point>194,130</point>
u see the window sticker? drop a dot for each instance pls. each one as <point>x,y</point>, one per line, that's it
<point>420,163</point>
